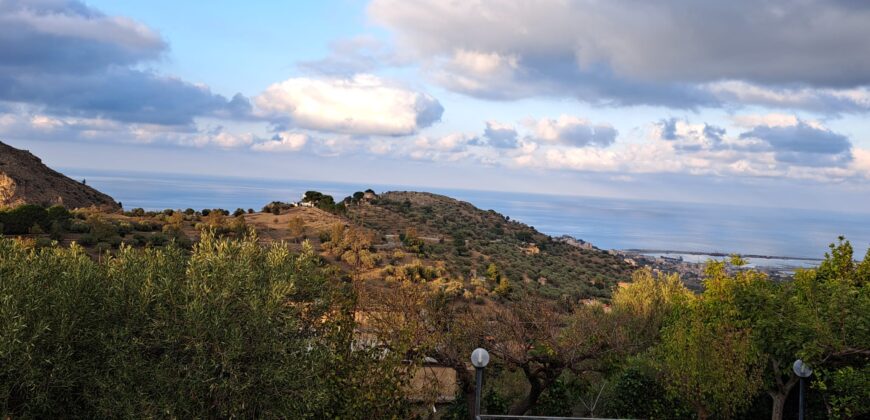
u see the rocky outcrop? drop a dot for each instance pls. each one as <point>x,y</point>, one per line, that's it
<point>24,179</point>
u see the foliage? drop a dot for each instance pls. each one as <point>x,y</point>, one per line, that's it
<point>846,390</point>
<point>21,219</point>
<point>352,245</point>
<point>324,202</point>
<point>710,365</point>
<point>639,395</point>
<point>231,330</point>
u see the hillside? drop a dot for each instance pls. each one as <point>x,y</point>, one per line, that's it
<point>448,244</point>
<point>468,240</point>
<point>24,179</point>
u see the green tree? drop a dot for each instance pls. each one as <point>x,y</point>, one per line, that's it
<point>709,364</point>
<point>231,329</point>
<point>832,303</point>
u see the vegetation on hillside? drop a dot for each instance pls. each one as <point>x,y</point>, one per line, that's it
<point>470,241</point>
<point>237,328</point>
<point>331,310</point>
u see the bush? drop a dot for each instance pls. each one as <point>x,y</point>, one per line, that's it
<point>137,212</point>
<point>139,239</point>
<point>139,335</point>
<point>87,240</point>
<point>124,228</point>
<point>158,239</point>
<point>20,220</point>
<point>58,214</point>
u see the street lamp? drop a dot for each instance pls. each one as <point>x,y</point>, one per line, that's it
<point>479,359</point>
<point>802,371</point>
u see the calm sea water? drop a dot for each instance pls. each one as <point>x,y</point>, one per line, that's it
<point>606,222</point>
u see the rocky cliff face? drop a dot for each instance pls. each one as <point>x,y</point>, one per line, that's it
<point>24,179</point>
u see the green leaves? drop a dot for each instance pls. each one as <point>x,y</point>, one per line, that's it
<point>233,329</point>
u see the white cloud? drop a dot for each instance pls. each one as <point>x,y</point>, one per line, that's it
<point>28,125</point>
<point>362,105</point>
<point>777,146</point>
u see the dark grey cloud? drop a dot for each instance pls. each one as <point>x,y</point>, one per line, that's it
<point>586,135</point>
<point>500,136</point>
<point>669,128</point>
<point>73,60</point>
<point>804,145</point>
<point>629,52</point>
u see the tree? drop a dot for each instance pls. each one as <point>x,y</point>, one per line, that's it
<point>832,303</point>
<point>233,328</point>
<point>643,306</point>
<point>417,322</point>
<point>709,364</point>
<point>749,299</point>
<point>532,336</point>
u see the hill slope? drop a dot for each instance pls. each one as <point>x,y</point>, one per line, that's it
<point>469,240</point>
<point>24,179</point>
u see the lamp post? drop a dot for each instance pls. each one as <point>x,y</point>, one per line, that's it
<point>479,359</point>
<point>802,371</point>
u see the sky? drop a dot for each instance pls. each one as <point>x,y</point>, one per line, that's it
<point>756,102</point>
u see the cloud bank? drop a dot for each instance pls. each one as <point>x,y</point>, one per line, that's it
<point>811,54</point>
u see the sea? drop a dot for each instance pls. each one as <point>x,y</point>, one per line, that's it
<point>692,231</point>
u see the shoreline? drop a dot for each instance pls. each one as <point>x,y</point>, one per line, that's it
<point>718,254</point>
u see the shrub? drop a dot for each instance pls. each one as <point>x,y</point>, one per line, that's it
<point>58,214</point>
<point>124,228</point>
<point>87,240</point>
<point>139,239</point>
<point>21,219</point>
<point>139,335</point>
<point>158,239</point>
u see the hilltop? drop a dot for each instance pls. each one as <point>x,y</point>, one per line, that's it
<point>24,179</point>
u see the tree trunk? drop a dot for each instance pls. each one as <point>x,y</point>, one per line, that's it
<point>778,406</point>
<point>780,394</point>
<point>466,385</point>
<point>530,400</point>
<point>538,384</point>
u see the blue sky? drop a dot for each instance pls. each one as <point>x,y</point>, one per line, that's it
<point>763,103</point>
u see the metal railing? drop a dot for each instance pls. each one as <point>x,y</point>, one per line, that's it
<point>517,417</point>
